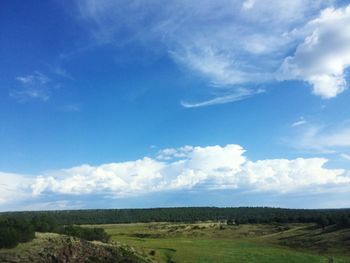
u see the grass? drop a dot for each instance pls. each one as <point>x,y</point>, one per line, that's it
<point>213,242</point>
<point>210,242</point>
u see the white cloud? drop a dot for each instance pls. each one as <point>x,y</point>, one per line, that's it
<point>13,187</point>
<point>327,139</point>
<point>324,55</point>
<point>171,153</point>
<point>188,167</point>
<point>238,95</point>
<point>233,44</point>
<point>299,122</point>
<point>248,4</point>
<point>33,86</point>
<point>345,156</point>
<point>202,169</point>
<point>288,175</point>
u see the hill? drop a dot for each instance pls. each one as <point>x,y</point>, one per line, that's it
<point>56,248</point>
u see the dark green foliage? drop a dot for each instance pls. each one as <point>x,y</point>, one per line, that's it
<point>240,215</point>
<point>323,221</point>
<point>230,222</point>
<point>344,221</point>
<point>44,223</point>
<point>13,231</point>
<point>86,233</point>
<point>8,237</point>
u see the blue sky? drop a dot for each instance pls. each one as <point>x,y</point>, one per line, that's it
<point>134,104</point>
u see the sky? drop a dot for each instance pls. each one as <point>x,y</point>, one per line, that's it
<point>128,104</point>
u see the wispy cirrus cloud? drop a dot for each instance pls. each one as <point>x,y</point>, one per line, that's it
<point>320,138</point>
<point>32,86</point>
<point>41,86</point>
<point>234,44</point>
<point>239,94</point>
<point>73,107</point>
<point>345,156</point>
<point>299,122</point>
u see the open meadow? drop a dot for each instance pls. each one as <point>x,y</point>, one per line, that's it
<point>217,242</point>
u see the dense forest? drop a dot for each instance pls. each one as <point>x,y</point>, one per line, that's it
<point>16,229</point>
<point>239,215</point>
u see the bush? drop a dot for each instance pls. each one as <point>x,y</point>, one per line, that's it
<point>16,230</point>
<point>89,234</point>
<point>8,237</point>
<point>230,222</point>
<point>44,223</point>
<point>13,231</point>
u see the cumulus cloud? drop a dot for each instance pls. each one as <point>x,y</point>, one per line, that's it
<point>233,44</point>
<point>288,175</point>
<point>13,187</point>
<point>173,170</point>
<point>188,167</point>
<point>324,55</point>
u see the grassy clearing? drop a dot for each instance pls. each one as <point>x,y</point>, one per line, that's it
<point>214,242</point>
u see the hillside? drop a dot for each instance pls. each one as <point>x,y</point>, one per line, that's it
<point>55,248</point>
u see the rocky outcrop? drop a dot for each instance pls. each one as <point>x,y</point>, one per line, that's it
<point>54,248</point>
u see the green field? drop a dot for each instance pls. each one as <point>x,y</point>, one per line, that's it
<point>216,242</point>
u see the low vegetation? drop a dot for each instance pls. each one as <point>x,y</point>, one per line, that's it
<point>55,248</point>
<point>89,234</point>
<point>211,242</point>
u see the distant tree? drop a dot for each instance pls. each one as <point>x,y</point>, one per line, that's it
<point>323,221</point>
<point>44,223</point>
<point>344,221</point>
<point>230,222</point>
<point>13,231</point>
<point>8,237</point>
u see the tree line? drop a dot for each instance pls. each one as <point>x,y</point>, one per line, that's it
<point>238,215</point>
<point>15,229</point>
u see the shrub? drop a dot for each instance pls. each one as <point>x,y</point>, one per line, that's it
<point>86,233</point>
<point>13,231</point>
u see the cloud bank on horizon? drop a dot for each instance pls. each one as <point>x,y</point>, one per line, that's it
<point>187,168</point>
<point>239,47</point>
